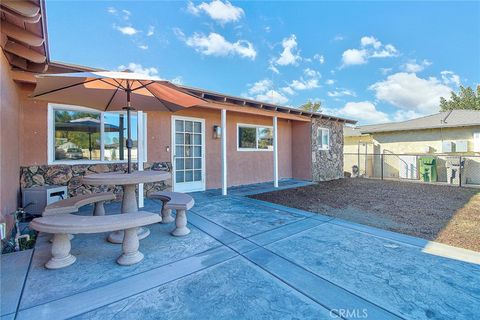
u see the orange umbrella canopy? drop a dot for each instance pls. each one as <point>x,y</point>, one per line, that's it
<point>114,91</point>
<point>107,91</point>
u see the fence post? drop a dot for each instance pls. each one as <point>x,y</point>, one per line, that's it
<point>460,172</point>
<point>381,160</point>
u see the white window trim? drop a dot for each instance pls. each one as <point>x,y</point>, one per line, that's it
<point>51,128</point>
<point>321,147</point>
<point>245,125</point>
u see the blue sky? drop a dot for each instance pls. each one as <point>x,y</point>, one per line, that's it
<point>370,61</point>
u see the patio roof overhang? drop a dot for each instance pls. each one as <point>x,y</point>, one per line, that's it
<point>238,104</point>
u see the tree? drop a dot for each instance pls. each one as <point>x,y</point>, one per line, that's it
<point>466,99</point>
<point>312,106</point>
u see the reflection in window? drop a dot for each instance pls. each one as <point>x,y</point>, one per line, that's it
<point>323,138</point>
<point>77,135</point>
<point>115,136</point>
<point>255,138</point>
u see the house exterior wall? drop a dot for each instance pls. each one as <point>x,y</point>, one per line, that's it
<point>9,143</point>
<point>243,166</point>
<point>418,142</point>
<point>327,164</point>
<point>302,150</point>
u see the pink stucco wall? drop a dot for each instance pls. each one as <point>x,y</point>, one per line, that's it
<point>9,143</point>
<point>243,166</point>
<point>301,151</point>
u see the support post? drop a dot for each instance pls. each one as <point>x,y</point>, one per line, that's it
<point>224,152</point>
<point>275,152</point>
<point>140,152</point>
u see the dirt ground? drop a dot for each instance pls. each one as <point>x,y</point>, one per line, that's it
<point>445,214</point>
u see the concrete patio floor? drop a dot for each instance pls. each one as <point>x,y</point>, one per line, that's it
<point>248,259</point>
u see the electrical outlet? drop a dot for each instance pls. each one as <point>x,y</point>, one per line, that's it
<point>3,230</point>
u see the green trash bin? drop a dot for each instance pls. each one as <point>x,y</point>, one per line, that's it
<point>428,169</point>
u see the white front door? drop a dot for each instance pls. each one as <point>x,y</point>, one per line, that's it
<point>188,154</point>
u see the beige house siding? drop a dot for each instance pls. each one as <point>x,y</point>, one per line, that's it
<point>428,141</point>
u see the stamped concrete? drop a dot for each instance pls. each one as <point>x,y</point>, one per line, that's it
<point>248,259</point>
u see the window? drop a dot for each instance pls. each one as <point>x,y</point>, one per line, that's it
<point>323,138</point>
<point>82,135</point>
<point>254,138</point>
<point>476,142</point>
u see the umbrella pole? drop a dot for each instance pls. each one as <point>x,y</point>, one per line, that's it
<point>129,131</point>
<point>90,144</point>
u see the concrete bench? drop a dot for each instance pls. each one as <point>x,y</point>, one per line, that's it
<point>63,225</point>
<point>180,202</point>
<point>72,204</point>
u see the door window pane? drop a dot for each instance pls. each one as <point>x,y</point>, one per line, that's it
<point>198,151</point>
<point>179,163</point>
<point>197,127</point>
<point>179,151</point>
<point>188,151</point>
<point>197,176</point>
<point>179,125</point>
<point>188,126</point>
<point>197,163</point>
<point>179,138</point>
<point>77,135</point>
<point>197,139</point>
<point>179,176</point>
<point>247,137</point>
<point>189,163</point>
<point>188,175</point>
<point>188,138</point>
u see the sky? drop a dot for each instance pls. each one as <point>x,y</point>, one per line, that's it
<point>373,61</point>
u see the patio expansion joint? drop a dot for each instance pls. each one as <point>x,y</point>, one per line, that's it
<point>41,311</point>
<point>24,282</point>
<point>312,274</point>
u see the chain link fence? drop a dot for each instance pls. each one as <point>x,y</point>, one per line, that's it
<point>438,168</point>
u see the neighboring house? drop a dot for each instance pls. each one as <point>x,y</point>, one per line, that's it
<point>446,135</point>
<point>310,145</point>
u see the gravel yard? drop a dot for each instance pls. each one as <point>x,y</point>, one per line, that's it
<point>445,214</point>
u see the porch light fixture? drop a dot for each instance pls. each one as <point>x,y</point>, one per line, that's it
<point>217,132</point>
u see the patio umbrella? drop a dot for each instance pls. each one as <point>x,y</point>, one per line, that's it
<point>87,125</point>
<point>113,91</point>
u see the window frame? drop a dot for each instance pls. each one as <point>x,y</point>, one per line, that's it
<point>256,126</point>
<point>320,131</point>
<point>51,134</point>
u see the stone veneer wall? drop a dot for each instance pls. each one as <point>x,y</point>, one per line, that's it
<point>327,164</point>
<point>70,176</point>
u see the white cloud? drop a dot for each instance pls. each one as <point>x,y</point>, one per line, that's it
<point>341,92</point>
<point>338,37</point>
<point>216,45</point>
<point>272,96</point>
<point>288,90</point>
<point>354,56</point>
<point>320,58</point>
<point>151,31</point>
<point>385,71</point>
<point>222,12</point>
<point>290,54</point>
<point>449,77</point>
<point>138,68</point>
<point>413,67</point>
<point>126,14</point>
<point>128,30</point>
<point>370,47</point>
<point>330,82</point>
<point>310,80</point>
<point>263,90</point>
<point>143,47</point>
<point>409,92</point>
<point>177,80</point>
<point>111,10</point>
<point>364,111</point>
<point>403,115</point>
<point>272,68</point>
<point>370,41</point>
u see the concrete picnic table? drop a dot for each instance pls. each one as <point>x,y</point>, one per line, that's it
<point>128,181</point>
